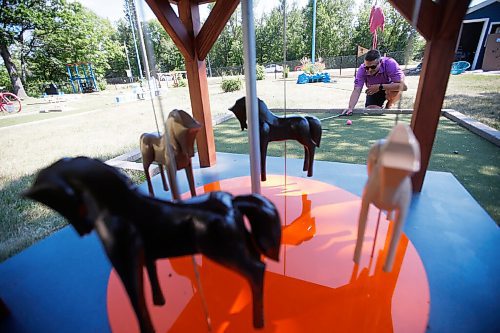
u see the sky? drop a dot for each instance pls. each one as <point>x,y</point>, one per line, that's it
<point>113,9</point>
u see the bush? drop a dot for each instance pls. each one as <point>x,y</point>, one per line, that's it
<point>5,79</point>
<point>231,84</point>
<point>286,70</point>
<point>102,84</point>
<point>261,74</point>
<point>180,83</point>
<point>309,68</point>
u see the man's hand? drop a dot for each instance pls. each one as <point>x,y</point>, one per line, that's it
<point>346,112</point>
<point>372,89</point>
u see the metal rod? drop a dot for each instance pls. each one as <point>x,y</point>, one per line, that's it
<point>143,47</point>
<point>135,41</point>
<point>251,92</point>
<point>128,61</point>
<point>313,51</point>
<point>284,77</point>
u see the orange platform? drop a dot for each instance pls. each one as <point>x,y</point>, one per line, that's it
<point>316,287</point>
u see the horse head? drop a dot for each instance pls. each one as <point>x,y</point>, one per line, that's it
<point>74,187</point>
<point>53,190</point>
<point>183,130</point>
<point>240,111</point>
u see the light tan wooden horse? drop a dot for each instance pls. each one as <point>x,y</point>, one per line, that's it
<point>391,162</point>
<point>182,129</point>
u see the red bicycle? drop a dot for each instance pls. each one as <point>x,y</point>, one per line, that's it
<point>9,102</point>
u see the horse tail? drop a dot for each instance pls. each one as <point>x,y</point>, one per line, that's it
<point>315,128</point>
<point>265,222</point>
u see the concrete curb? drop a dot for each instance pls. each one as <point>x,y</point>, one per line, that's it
<point>484,131</point>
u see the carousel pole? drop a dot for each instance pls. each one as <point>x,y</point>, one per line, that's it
<point>251,92</point>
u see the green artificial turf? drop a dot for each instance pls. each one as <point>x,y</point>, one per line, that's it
<point>474,161</point>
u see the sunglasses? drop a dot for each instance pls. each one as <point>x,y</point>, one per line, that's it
<point>371,67</point>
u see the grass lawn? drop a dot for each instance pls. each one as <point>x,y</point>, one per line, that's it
<point>93,125</point>
<point>474,161</point>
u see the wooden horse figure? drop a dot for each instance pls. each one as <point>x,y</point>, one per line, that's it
<point>391,162</point>
<point>306,130</point>
<point>137,229</point>
<point>182,129</point>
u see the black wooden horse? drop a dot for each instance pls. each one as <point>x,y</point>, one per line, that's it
<point>306,130</point>
<point>137,229</point>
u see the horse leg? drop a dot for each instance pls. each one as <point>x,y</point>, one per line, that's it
<point>130,271</point>
<point>158,298</point>
<point>163,179</point>
<point>173,183</point>
<point>145,165</point>
<point>311,151</point>
<point>363,215</point>
<point>252,269</point>
<point>403,203</point>
<point>126,254</point>
<point>306,159</point>
<point>256,281</point>
<point>263,154</point>
<point>395,237</point>
<point>190,177</point>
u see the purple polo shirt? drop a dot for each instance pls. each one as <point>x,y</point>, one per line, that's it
<point>389,72</point>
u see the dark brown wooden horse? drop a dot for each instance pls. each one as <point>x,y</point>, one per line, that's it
<point>306,130</point>
<point>137,229</point>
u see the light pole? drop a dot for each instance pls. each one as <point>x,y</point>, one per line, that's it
<point>135,41</point>
<point>313,52</point>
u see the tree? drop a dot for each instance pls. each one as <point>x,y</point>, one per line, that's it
<point>228,49</point>
<point>334,19</point>
<point>166,53</point>
<point>82,37</point>
<point>296,34</point>
<point>18,19</point>
<point>398,34</point>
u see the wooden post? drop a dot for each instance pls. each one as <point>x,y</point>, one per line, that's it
<point>438,57</point>
<point>198,86</point>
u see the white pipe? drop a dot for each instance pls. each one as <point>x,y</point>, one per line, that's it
<point>251,92</point>
<point>143,47</point>
<point>135,42</point>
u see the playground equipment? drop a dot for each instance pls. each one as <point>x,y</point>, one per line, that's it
<point>458,67</point>
<point>9,103</point>
<point>86,82</point>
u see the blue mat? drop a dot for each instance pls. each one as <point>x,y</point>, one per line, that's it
<point>59,284</point>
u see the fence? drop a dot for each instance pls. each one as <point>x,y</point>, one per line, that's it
<point>339,62</point>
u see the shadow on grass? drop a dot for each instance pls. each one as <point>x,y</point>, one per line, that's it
<point>474,161</point>
<point>483,107</point>
<point>22,221</point>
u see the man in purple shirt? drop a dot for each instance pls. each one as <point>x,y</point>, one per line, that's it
<point>383,78</point>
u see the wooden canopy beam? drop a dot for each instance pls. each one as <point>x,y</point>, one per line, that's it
<point>438,57</point>
<point>173,25</point>
<point>214,25</point>
<point>427,16</point>
<point>191,39</point>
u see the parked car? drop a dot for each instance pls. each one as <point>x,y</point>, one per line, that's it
<point>273,68</point>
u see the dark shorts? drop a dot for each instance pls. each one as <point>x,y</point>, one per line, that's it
<point>376,99</point>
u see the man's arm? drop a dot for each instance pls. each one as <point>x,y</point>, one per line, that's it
<point>353,99</point>
<point>396,76</point>
<point>395,86</point>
